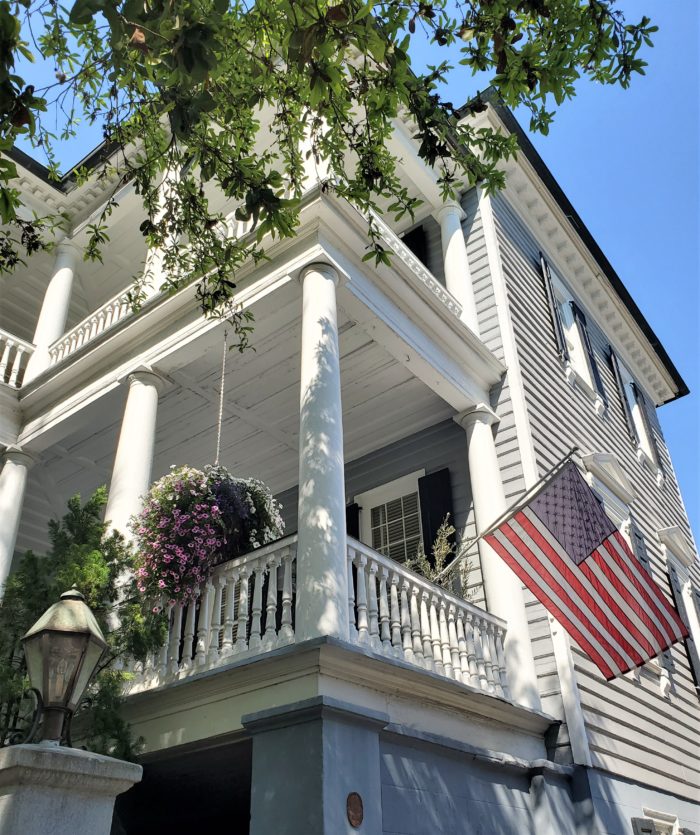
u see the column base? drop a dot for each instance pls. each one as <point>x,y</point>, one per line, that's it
<point>64,791</point>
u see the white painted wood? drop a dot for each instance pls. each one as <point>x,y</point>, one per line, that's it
<point>15,354</point>
<point>321,555</point>
<point>16,464</point>
<point>458,279</point>
<point>131,473</point>
<point>503,589</point>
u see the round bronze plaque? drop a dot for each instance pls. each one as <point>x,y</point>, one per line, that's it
<point>356,811</point>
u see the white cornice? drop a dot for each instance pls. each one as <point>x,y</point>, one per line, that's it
<point>565,248</point>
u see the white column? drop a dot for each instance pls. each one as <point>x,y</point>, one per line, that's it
<point>131,474</point>
<point>504,592</point>
<point>54,309</point>
<point>322,597</point>
<point>458,277</point>
<point>13,485</point>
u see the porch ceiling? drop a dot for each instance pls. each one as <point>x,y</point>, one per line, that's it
<point>382,402</point>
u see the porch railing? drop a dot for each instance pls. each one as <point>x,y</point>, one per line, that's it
<point>247,608</point>
<point>109,314</point>
<point>14,356</point>
<point>397,612</point>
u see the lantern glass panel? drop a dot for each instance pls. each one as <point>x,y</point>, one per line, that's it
<point>65,653</point>
<point>34,656</point>
<point>93,653</point>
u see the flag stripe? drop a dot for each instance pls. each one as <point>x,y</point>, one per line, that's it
<point>663,605</point>
<point>543,578</point>
<point>630,616</point>
<point>594,595</point>
<point>501,545</point>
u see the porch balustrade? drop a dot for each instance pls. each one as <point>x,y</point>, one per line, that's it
<point>109,314</point>
<point>247,608</point>
<point>14,356</point>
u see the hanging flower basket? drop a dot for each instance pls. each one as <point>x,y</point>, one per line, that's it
<point>194,519</point>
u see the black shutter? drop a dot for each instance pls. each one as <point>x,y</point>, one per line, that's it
<point>639,546</point>
<point>435,497</point>
<point>690,646</point>
<point>623,397</point>
<point>643,406</point>
<point>352,520</point>
<point>417,241</point>
<point>582,326</point>
<point>562,350</point>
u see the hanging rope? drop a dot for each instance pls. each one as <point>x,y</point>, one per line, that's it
<point>221,399</point>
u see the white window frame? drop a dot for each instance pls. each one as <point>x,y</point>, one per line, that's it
<point>381,495</point>
<point>646,452</point>
<point>577,369</point>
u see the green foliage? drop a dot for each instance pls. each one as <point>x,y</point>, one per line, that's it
<point>85,555</point>
<point>239,96</point>
<point>445,551</point>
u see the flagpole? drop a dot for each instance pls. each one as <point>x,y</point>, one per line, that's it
<point>518,505</point>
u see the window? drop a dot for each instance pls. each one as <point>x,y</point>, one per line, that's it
<point>572,337</point>
<point>397,517</point>
<point>390,519</point>
<point>635,407</point>
<point>680,557</point>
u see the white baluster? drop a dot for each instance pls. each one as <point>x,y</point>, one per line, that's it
<point>384,629</point>
<point>426,634</point>
<point>474,677</point>
<point>286,635</point>
<point>362,619</point>
<point>500,654</point>
<point>494,660</point>
<point>16,363</point>
<point>416,626</point>
<point>271,607</point>
<point>163,654</point>
<point>445,641</point>
<point>486,649</point>
<point>435,637</point>
<point>479,649</point>
<point>255,641</point>
<point>396,620</point>
<point>454,643</point>
<point>5,359</point>
<point>203,627</point>
<point>373,608</point>
<point>215,630</point>
<point>242,635</point>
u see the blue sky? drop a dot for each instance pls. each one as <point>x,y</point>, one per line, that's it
<point>628,161</point>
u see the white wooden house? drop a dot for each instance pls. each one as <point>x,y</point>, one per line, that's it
<point>377,400</point>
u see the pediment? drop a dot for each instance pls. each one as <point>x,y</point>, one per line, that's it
<point>606,468</point>
<point>677,544</point>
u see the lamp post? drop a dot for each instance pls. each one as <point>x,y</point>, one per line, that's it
<point>62,651</point>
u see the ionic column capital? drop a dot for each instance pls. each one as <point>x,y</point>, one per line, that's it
<point>18,455</point>
<point>480,413</point>
<point>449,209</point>
<point>145,375</point>
<point>324,269</point>
<point>68,248</point>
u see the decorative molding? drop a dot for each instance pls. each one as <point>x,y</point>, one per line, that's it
<point>674,541</point>
<point>606,468</point>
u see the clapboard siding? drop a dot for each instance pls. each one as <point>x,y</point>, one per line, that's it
<point>633,730</point>
<point>439,446</point>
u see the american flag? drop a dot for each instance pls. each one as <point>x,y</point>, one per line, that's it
<point>565,549</point>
